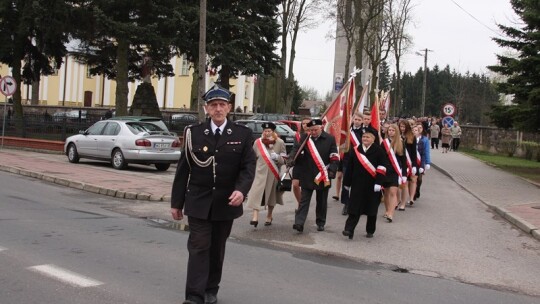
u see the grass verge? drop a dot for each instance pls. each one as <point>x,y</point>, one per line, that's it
<point>525,168</point>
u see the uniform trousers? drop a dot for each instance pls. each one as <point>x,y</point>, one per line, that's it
<point>353,219</point>
<point>206,247</point>
<point>321,197</point>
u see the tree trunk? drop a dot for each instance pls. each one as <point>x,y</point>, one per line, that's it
<point>35,91</point>
<point>122,77</point>
<point>16,71</point>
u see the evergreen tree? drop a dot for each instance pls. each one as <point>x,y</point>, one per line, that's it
<point>384,76</point>
<point>522,71</point>
<point>117,37</point>
<point>33,37</point>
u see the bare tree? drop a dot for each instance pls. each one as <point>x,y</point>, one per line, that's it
<point>295,16</point>
<point>377,45</point>
<point>399,14</point>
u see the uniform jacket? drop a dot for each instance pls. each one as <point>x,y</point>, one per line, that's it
<point>265,182</point>
<point>196,190</point>
<point>326,145</point>
<point>423,149</point>
<point>363,199</point>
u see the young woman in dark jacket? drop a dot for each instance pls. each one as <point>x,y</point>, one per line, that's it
<point>409,188</point>
<point>396,173</point>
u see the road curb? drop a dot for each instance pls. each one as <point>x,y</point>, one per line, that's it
<point>143,196</point>
<point>509,216</point>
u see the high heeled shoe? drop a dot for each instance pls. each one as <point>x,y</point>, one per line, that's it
<point>268,222</point>
<point>254,223</point>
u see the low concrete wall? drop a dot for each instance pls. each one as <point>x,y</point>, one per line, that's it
<point>490,138</point>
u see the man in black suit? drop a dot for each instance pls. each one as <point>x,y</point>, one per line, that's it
<point>213,177</point>
<point>318,161</point>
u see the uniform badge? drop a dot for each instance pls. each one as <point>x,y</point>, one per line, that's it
<point>229,131</point>
<point>206,132</point>
<point>205,148</point>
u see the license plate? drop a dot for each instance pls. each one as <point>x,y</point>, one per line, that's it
<point>161,146</point>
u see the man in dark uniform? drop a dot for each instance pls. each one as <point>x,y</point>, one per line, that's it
<point>213,177</point>
<point>318,163</point>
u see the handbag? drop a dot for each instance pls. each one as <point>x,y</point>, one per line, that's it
<point>284,184</point>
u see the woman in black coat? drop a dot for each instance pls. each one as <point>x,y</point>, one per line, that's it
<point>364,176</point>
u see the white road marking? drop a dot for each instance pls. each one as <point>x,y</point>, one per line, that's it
<point>65,276</point>
<point>2,248</point>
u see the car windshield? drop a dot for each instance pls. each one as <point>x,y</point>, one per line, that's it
<point>284,129</point>
<point>138,127</point>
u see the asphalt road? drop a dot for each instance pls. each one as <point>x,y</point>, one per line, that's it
<point>59,245</point>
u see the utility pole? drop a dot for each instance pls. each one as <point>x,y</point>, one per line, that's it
<point>201,85</point>
<point>424,85</point>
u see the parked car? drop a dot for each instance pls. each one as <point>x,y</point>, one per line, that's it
<point>72,115</point>
<point>124,140</point>
<point>286,133</point>
<point>273,117</point>
<point>293,124</point>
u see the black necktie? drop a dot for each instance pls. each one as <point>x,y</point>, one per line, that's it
<point>217,135</point>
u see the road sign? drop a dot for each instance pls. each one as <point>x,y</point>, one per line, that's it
<point>8,85</point>
<point>449,109</point>
<point>448,121</point>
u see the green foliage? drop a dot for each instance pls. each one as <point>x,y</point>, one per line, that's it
<point>503,116</point>
<point>522,70</point>
<point>507,147</point>
<point>384,76</point>
<point>532,150</point>
<point>473,94</point>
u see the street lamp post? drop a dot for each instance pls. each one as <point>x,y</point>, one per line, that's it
<point>424,84</point>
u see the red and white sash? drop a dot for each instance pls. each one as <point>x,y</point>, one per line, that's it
<point>409,162</point>
<point>364,161</point>
<point>266,157</point>
<point>323,173</point>
<point>354,140</point>
<point>392,156</point>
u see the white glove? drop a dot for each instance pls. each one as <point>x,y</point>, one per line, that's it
<point>427,167</point>
<point>403,179</point>
<point>377,188</point>
<point>421,170</point>
<point>348,188</point>
<point>274,155</point>
<point>413,170</point>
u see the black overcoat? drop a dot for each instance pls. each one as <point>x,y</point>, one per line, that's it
<point>305,165</point>
<point>196,190</point>
<point>363,199</point>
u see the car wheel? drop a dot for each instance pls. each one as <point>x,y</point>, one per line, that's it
<point>162,167</point>
<point>118,161</point>
<point>73,155</point>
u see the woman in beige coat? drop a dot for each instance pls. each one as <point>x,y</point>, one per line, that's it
<point>270,152</point>
<point>446,138</point>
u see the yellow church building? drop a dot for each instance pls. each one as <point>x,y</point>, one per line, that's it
<point>73,86</point>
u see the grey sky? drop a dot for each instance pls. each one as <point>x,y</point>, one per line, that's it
<point>455,37</point>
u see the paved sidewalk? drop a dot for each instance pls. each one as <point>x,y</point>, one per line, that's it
<point>515,199</point>
<point>512,197</point>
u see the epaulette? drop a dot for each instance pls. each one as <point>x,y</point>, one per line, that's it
<point>194,125</point>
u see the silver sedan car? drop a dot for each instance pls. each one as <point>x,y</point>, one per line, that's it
<point>126,140</point>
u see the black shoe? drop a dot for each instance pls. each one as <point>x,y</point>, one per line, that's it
<point>189,302</point>
<point>345,210</point>
<point>411,203</point>
<point>320,228</point>
<point>335,197</point>
<point>417,195</point>
<point>369,235</point>
<point>268,222</point>
<point>298,227</point>
<point>210,298</point>
<point>254,223</point>
<point>348,233</point>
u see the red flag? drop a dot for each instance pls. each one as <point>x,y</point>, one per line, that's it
<point>375,119</point>
<point>336,119</point>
